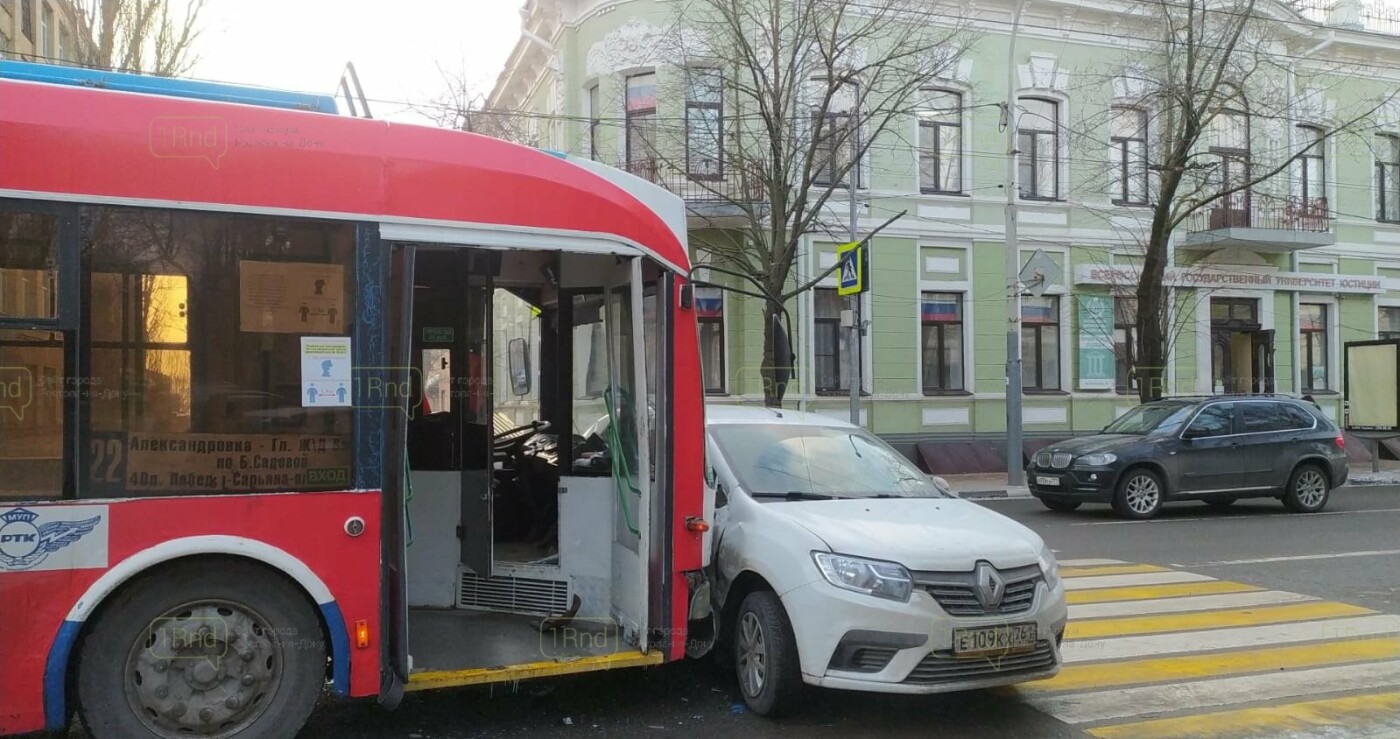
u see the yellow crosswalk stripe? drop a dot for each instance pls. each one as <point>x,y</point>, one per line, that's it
<point>1150,592</point>
<point>1217,664</point>
<point>1267,721</point>
<point>1124,569</point>
<point>1210,619</point>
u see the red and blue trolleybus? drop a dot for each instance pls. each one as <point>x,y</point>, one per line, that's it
<point>291,399</point>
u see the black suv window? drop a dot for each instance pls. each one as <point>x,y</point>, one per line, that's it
<point>1214,420</point>
<point>1298,418</point>
<point>1261,418</point>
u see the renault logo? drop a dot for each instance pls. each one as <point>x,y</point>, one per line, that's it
<point>990,586</point>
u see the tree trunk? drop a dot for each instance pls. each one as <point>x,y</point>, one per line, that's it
<point>776,370</point>
<point>1151,317</point>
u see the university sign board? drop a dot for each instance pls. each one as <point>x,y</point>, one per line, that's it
<point>1244,278</point>
<point>1097,362</point>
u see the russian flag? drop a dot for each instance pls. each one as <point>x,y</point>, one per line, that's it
<point>940,311</point>
<point>709,307</point>
<point>1037,314</point>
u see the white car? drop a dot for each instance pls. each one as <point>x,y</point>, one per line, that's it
<point>838,563</point>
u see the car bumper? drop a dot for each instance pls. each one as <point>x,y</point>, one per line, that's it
<point>907,647</point>
<point>1091,485</point>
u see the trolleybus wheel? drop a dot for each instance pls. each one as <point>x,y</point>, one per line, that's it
<point>203,650</point>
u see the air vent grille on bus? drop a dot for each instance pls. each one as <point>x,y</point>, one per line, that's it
<point>514,594</point>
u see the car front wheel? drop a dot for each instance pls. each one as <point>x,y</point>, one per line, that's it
<point>1139,494</point>
<point>765,656</point>
<point>1308,490</point>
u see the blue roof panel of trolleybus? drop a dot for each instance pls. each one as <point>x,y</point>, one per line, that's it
<point>167,86</point>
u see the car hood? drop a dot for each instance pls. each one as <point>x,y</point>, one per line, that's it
<point>929,534</point>
<point>1095,443</point>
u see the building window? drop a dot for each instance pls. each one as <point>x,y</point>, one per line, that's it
<point>709,314</point>
<point>1125,344</point>
<point>641,125</point>
<point>65,45</point>
<point>26,19</point>
<point>1312,323</point>
<point>832,165</point>
<point>704,123</point>
<point>1388,178</point>
<point>1310,169</point>
<point>1040,343</point>
<point>1038,146</point>
<point>1388,322</point>
<point>46,33</point>
<point>5,44</point>
<point>829,341</point>
<point>941,316</point>
<point>1128,134</point>
<point>1229,147</point>
<point>594,121</point>
<point>940,142</point>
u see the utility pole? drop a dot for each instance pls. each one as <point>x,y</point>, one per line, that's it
<point>856,328</point>
<point>1015,473</point>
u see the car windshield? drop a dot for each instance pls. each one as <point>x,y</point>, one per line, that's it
<point>1145,419</point>
<point>796,461</point>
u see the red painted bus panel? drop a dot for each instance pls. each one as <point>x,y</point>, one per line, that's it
<point>309,527</point>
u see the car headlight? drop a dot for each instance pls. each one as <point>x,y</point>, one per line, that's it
<point>1049,567</point>
<point>1102,459</point>
<point>871,577</point>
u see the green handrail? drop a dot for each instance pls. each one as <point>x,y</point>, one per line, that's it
<point>619,465</point>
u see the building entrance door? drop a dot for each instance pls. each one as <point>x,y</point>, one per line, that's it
<point>1242,353</point>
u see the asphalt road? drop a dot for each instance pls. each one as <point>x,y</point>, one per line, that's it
<point>1348,556</point>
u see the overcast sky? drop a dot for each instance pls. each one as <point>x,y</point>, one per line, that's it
<point>396,46</point>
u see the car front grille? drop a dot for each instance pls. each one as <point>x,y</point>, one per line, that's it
<point>1055,460</point>
<point>943,667</point>
<point>956,592</point>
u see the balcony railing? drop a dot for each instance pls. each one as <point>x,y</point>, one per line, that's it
<point>1251,210</point>
<point>1370,15</point>
<point>725,187</point>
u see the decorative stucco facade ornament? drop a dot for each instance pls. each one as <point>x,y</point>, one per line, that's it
<point>1043,73</point>
<point>633,44</point>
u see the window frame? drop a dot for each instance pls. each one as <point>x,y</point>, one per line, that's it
<point>1121,146</point>
<point>66,323</point>
<point>824,176</point>
<point>1388,165</point>
<point>629,118</point>
<point>694,105</point>
<point>46,24</point>
<point>1039,330</point>
<point>936,126</point>
<point>1034,156</point>
<point>942,328</point>
<point>1129,327</point>
<point>1308,361</point>
<point>819,323</point>
<point>1233,159</point>
<point>1319,155</point>
<point>1382,334</point>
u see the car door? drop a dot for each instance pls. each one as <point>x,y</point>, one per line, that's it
<point>1209,449</point>
<point>1264,440</point>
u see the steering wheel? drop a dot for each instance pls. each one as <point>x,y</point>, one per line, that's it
<point>517,436</point>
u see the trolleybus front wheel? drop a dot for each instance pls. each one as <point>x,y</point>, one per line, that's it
<point>210,650</point>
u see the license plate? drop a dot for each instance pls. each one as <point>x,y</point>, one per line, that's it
<point>1052,481</point>
<point>994,640</point>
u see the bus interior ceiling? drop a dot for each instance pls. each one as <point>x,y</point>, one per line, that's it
<point>514,509</point>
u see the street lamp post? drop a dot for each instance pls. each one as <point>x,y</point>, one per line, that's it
<point>1015,473</point>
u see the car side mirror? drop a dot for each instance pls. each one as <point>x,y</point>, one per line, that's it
<point>1192,434</point>
<point>721,497</point>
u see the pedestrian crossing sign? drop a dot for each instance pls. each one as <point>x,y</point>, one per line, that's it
<point>851,274</point>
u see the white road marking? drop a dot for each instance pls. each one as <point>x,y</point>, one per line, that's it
<point>1131,702</point>
<point>1179,605</point>
<point>1091,562</point>
<point>1295,558</point>
<point>1234,518</point>
<point>1121,581</point>
<point>1246,637</point>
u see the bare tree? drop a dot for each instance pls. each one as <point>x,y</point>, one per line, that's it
<point>808,89</point>
<point>1219,87</point>
<point>459,108</point>
<point>152,36</point>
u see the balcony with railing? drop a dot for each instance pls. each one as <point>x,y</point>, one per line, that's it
<point>711,198</point>
<point>1261,223</point>
<point>1357,15</point>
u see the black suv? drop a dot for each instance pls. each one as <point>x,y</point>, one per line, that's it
<point>1215,450</point>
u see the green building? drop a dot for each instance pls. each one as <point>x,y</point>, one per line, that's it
<point>1267,284</point>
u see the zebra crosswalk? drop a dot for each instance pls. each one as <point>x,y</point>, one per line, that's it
<point>1155,651</point>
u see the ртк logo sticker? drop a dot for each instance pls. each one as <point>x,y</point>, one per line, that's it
<point>28,540</point>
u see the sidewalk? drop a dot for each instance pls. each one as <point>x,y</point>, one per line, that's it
<point>993,485</point>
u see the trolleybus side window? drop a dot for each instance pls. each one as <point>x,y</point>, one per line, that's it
<point>32,360</point>
<point>219,351</point>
